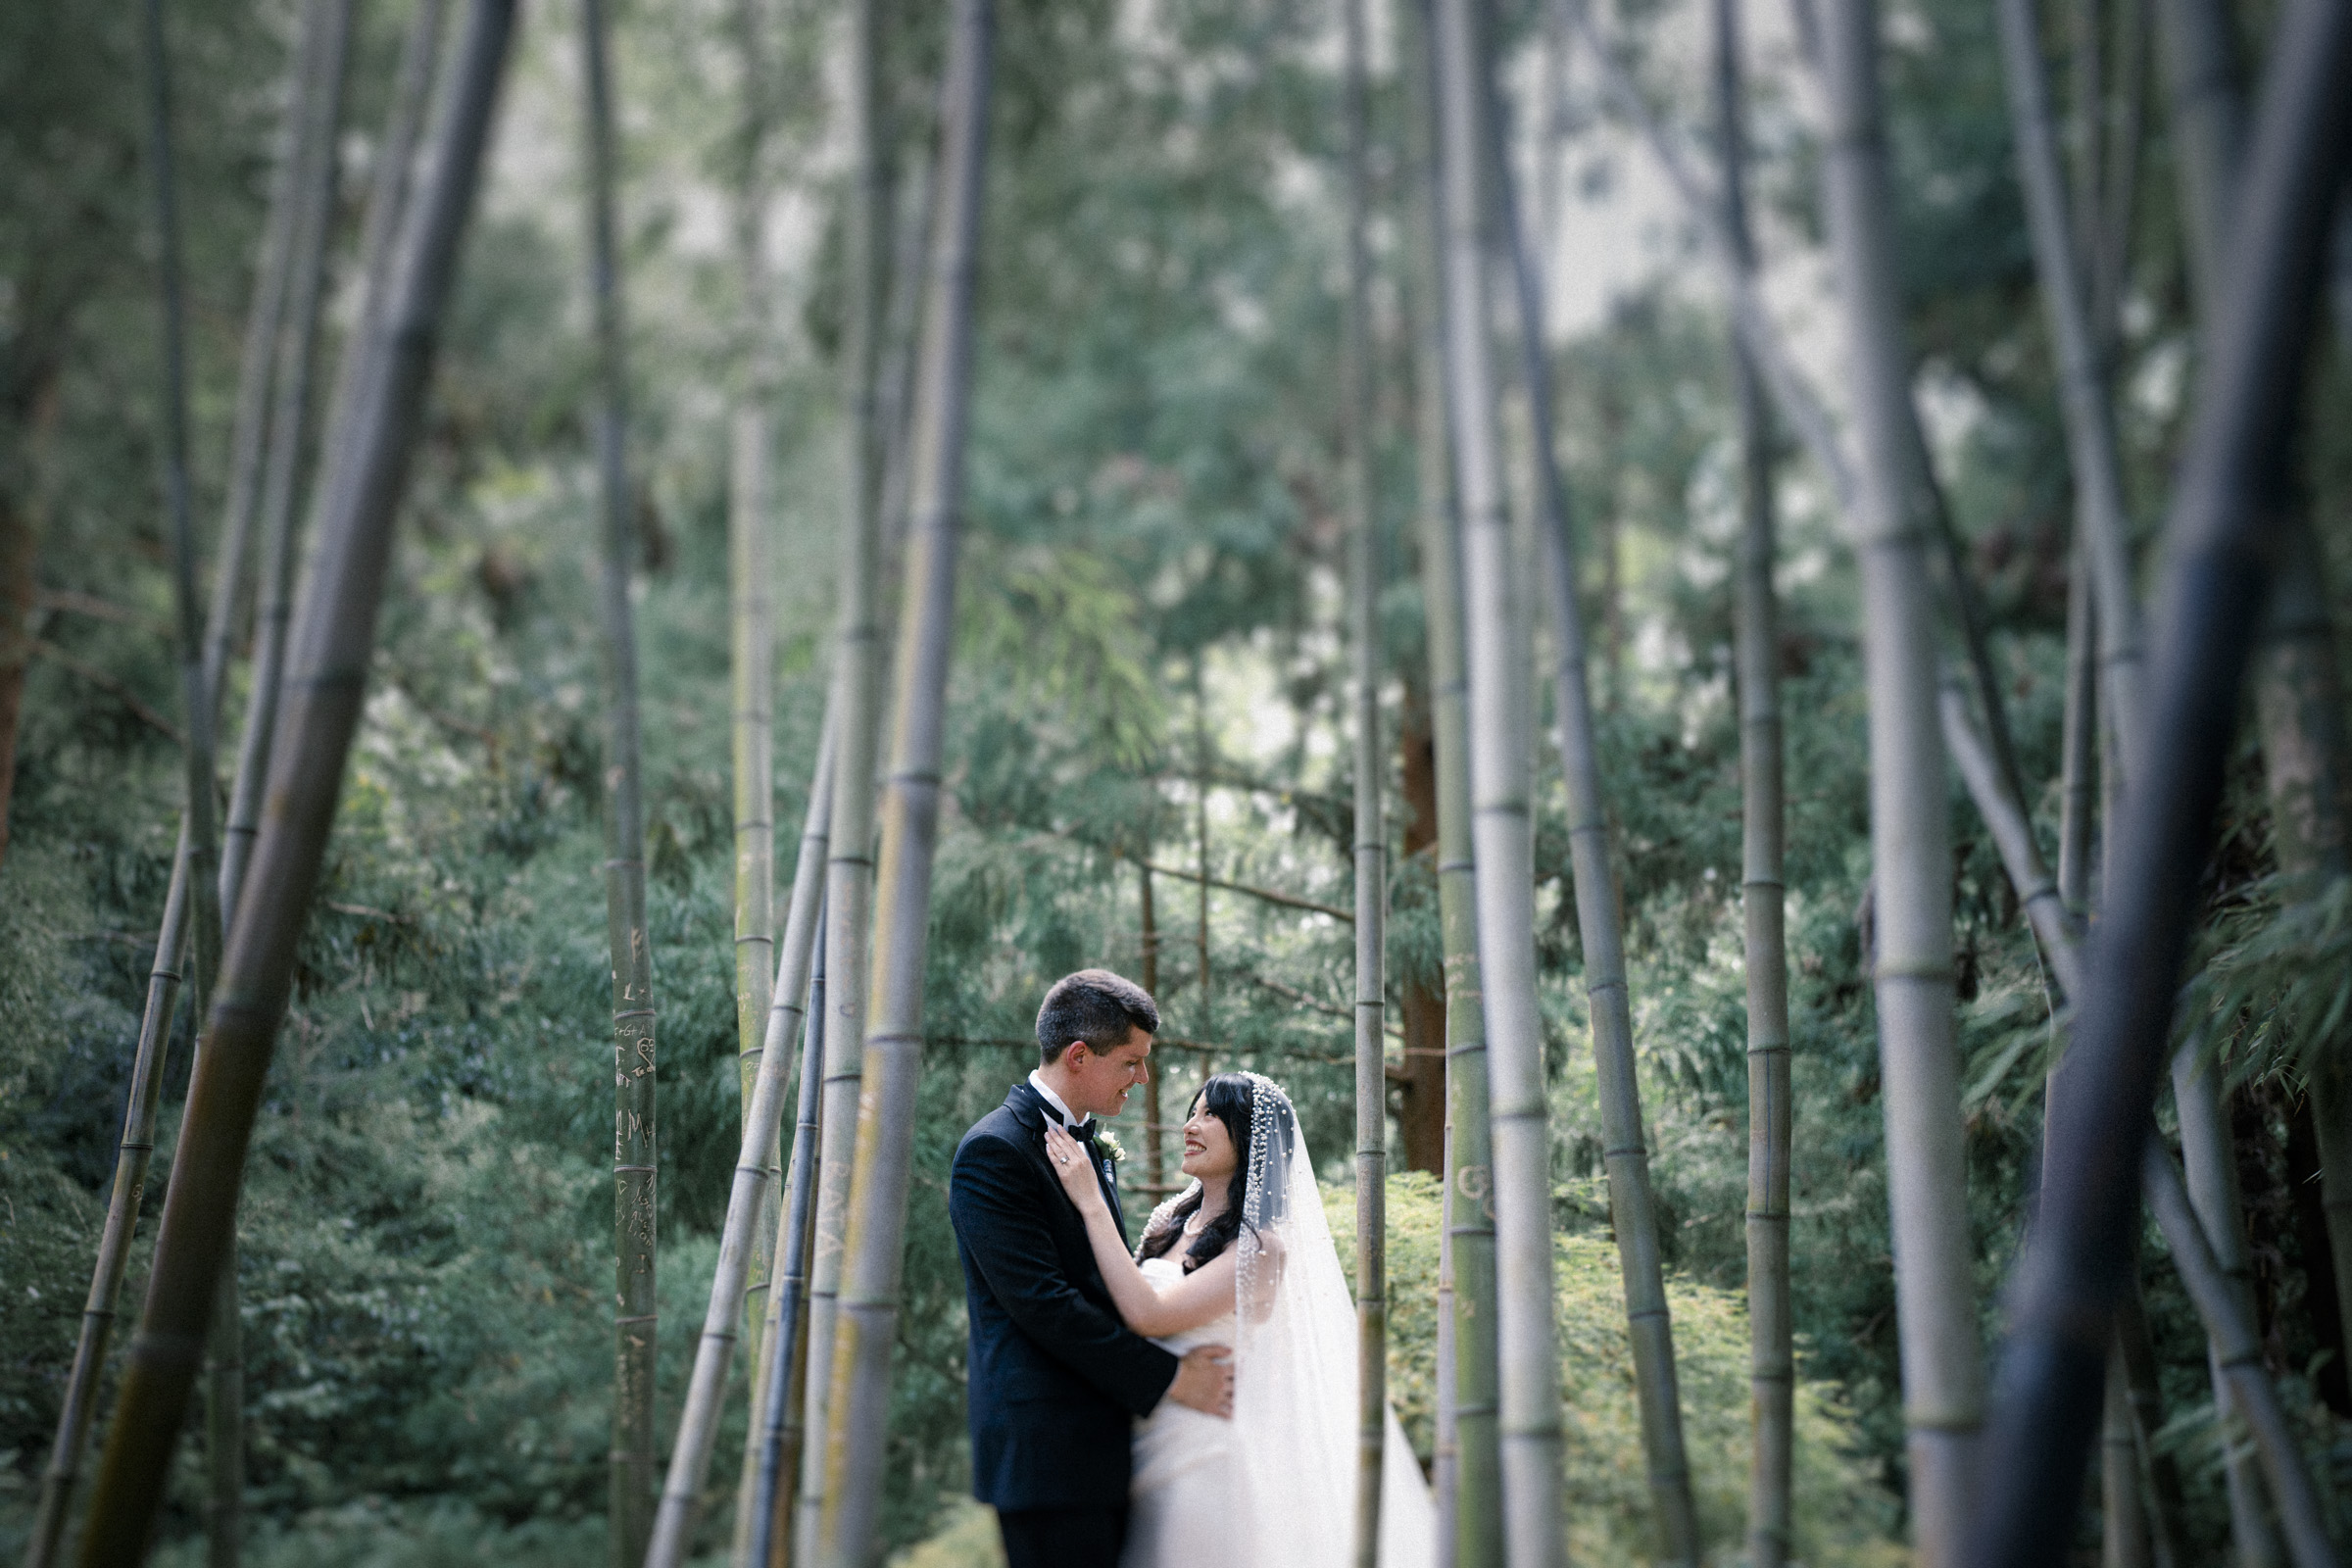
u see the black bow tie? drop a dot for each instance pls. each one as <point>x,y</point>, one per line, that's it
<point>1082,1131</point>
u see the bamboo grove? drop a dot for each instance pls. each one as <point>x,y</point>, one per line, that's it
<point>1708,626</point>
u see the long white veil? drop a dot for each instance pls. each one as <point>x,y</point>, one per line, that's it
<point>1295,1371</point>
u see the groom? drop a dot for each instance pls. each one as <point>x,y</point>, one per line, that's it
<point>1054,1377</point>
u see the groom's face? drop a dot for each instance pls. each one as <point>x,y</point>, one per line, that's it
<point>1101,1079</point>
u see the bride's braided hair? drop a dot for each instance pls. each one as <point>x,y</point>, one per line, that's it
<point>1230,1097</point>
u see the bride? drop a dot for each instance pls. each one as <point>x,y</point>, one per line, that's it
<point>1243,1257</point>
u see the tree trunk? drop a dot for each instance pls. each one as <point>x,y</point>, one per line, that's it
<point>634,1159</point>
<point>1772,1351</point>
<point>1371,831</point>
<point>874,1252</point>
<point>746,1205</point>
<point>1468,1370</point>
<point>2222,535</point>
<point>1632,1209</point>
<point>1420,1007</point>
<point>1534,1524</point>
<point>326,685</point>
<point>1910,829</point>
<point>857,700</point>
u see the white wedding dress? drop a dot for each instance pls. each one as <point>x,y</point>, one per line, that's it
<point>1274,1487</point>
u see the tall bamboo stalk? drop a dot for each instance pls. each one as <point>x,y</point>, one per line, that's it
<point>858,1415</point>
<point>2013,840</point>
<point>282,474</point>
<point>1469,1386</point>
<point>1371,832</point>
<point>2077,774</point>
<point>762,1506</point>
<point>2299,685</point>
<point>2124,1524</point>
<point>1910,830</point>
<point>1156,1149</point>
<point>325,685</point>
<point>1530,1434</point>
<point>752,646</point>
<point>706,1385</point>
<point>224,1511</point>
<point>1633,1206</point>
<point>857,700</point>
<point>808,876</point>
<point>2221,537</point>
<point>1755,609</point>
<point>136,1147</point>
<point>634,1209</point>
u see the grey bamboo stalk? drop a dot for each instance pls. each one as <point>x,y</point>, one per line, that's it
<point>2012,839</point>
<point>857,1413</point>
<point>808,885</point>
<point>289,430</point>
<point>1772,1350</point>
<point>2237,1348</point>
<point>2100,517</point>
<point>2123,1526</point>
<point>634,1146</point>
<point>894,364</point>
<point>1632,1207</point>
<point>224,1510</point>
<point>857,700</point>
<point>2300,684</point>
<point>325,685</point>
<point>249,428</point>
<point>2208,130</point>
<point>137,1145</point>
<point>1371,833</point>
<point>752,641</point>
<point>2222,540</point>
<point>706,1385</point>
<point>874,1252</point>
<point>2077,775</point>
<point>132,1155</point>
<point>763,1516</point>
<point>1470,1389</point>
<point>1530,1434</point>
<point>1910,829</point>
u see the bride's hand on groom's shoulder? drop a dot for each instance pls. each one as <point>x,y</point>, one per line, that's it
<point>1070,1164</point>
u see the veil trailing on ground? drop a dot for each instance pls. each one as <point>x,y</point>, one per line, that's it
<point>1294,1367</point>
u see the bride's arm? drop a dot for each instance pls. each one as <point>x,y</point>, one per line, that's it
<point>1201,1297</point>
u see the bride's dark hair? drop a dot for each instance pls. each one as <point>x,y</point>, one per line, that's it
<point>1230,1097</point>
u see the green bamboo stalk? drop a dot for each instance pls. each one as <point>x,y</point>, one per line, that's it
<point>1469,1486</point>
<point>2012,839</point>
<point>855,702</point>
<point>2123,1527</point>
<point>634,1209</point>
<point>326,685</point>
<point>1633,1206</point>
<point>1527,1354</point>
<point>1371,832</point>
<point>2078,783</point>
<point>1772,1350</point>
<point>706,1385</point>
<point>1910,829</point>
<point>857,1413</point>
<point>751,620</point>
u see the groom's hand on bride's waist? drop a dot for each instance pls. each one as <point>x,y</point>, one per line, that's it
<point>1204,1381</point>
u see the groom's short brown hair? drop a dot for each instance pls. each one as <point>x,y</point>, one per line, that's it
<point>1096,1007</point>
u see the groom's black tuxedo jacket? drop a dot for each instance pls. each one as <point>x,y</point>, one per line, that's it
<point>1054,1375</point>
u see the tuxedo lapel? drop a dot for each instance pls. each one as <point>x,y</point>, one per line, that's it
<point>1030,1109</point>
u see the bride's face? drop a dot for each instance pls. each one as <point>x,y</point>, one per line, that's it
<point>1208,1151</point>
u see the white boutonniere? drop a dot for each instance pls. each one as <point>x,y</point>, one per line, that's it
<point>1109,1143</point>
